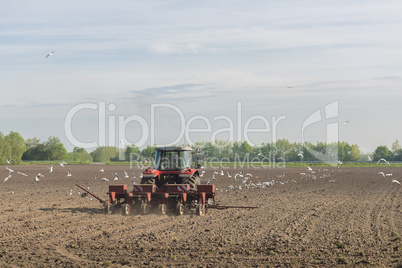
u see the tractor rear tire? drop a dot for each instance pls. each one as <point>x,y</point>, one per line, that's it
<point>193,181</point>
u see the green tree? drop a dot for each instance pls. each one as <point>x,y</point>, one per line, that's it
<point>35,150</point>
<point>382,152</point>
<point>132,153</point>
<point>148,152</point>
<point>5,149</point>
<point>55,150</point>
<point>79,155</point>
<point>104,153</point>
<point>17,145</point>
<point>395,146</point>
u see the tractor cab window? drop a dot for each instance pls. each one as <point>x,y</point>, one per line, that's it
<point>172,160</point>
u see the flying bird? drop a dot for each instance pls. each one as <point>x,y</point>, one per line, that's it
<point>69,173</point>
<point>116,177</point>
<point>62,164</point>
<point>50,54</point>
<point>104,179</point>
<point>126,175</point>
<point>301,155</point>
<point>102,170</point>
<point>8,161</point>
<point>23,174</point>
<point>38,176</point>
<point>6,179</point>
<point>396,182</point>
<point>369,158</point>
<point>50,168</point>
<point>9,170</point>
<point>382,159</point>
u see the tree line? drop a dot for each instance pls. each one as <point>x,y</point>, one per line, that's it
<point>15,149</point>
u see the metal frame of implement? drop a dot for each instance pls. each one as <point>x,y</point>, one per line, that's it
<point>175,198</point>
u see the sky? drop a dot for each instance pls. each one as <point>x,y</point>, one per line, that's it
<point>165,72</point>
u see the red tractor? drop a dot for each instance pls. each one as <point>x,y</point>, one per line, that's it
<point>173,166</point>
<point>171,186</point>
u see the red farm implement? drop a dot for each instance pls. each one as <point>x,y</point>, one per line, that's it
<point>171,186</point>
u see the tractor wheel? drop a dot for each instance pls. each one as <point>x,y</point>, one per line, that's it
<point>200,210</point>
<point>193,181</point>
<point>162,209</point>
<point>179,208</point>
<point>125,210</point>
<point>108,208</point>
<point>144,209</point>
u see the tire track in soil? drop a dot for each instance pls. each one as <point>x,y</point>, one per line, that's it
<point>394,205</point>
<point>376,214</point>
<point>142,228</point>
<point>75,227</point>
<point>316,215</point>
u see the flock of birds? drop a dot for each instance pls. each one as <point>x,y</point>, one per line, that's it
<point>245,180</point>
<point>241,180</point>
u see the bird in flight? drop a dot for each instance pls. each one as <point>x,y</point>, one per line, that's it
<point>38,176</point>
<point>8,161</point>
<point>9,176</point>
<point>62,164</point>
<point>50,54</point>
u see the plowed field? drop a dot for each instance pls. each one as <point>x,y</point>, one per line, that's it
<point>324,217</point>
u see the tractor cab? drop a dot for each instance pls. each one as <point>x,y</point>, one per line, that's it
<point>172,158</point>
<point>172,166</point>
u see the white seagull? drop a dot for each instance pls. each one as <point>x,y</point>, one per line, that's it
<point>396,182</point>
<point>104,179</point>
<point>62,164</point>
<point>9,170</point>
<point>116,177</point>
<point>9,176</point>
<point>38,176</point>
<point>8,161</point>
<point>301,155</point>
<point>50,54</point>
<point>102,170</point>
<point>50,168</point>
<point>382,159</point>
<point>69,173</point>
<point>126,175</point>
<point>23,174</point>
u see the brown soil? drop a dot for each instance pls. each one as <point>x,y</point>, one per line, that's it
<point>306,221</point>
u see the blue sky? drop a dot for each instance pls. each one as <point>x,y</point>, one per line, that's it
<point>278,58</point>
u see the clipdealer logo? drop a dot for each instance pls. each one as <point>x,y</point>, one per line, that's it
<point>118,123</point>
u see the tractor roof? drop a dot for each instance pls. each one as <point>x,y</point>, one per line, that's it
<point>173,148</point>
